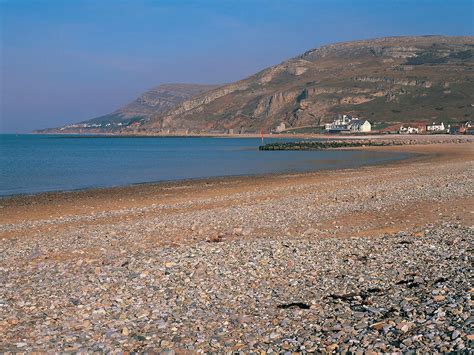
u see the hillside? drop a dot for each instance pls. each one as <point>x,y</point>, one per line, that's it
<point>387,80</point>
<point>383,80</point>
<point>152,102</point>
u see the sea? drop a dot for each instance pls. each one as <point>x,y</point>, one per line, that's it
<point>32,164</point>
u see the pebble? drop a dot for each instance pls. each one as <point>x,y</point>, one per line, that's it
<point>274,281</point>
<point>238,296</point>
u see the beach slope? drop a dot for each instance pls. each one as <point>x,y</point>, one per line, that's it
<point>370,258</point>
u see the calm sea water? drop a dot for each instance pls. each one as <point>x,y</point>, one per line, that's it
<point>38,163</point>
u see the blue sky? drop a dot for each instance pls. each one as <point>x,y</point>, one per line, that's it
<point>66,61</point>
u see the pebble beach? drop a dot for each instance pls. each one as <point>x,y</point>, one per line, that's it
<point>377,258</point>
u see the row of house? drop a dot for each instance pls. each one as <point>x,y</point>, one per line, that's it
<point>348,123</point>
<point>351,124</point>
<point>417,128</point>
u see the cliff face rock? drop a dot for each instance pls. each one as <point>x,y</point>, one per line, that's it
<point>397,79</point>
<point>197,102</point>
<point>394,81</point>
<point>294,67</point>
<point>268,106</point>
<point>160,99</point>
<point>167,96</point>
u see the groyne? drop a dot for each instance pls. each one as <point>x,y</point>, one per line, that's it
<point>350,143</point>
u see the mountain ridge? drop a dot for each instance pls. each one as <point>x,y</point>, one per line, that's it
<point>390,79</point>
<point>155,100</point>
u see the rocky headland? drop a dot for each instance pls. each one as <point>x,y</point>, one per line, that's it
<point>383,80</point>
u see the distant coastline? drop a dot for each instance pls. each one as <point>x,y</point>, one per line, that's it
<point>324,136</point>
<point>246,148</point>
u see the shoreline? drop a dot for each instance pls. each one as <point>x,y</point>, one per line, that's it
<point>401,141</point>
<point>369,258</point>
<point>209,179</point>
<point>420,153</point>
<point>372,135</point>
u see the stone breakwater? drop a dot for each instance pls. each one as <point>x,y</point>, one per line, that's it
<point>349,143</point>
<point>375,259</point>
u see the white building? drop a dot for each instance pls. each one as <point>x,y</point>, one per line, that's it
<point>349,123</point>
<point>340,123</point>
<point>280,128</point>
<point>360,126</point>
<point>408,130</point>
<point>436,127</point>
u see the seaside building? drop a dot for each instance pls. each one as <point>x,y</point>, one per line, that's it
<point>347,123</point>
<point>408,130</point>
<point>280,128</point>
<point>436,127</point>
<point>360,126</point>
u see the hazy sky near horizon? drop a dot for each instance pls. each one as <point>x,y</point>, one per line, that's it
<point>71,60</point>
